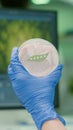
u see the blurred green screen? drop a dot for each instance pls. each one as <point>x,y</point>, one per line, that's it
<point>15,32</point>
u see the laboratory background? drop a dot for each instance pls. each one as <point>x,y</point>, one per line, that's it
<point>21,20</point>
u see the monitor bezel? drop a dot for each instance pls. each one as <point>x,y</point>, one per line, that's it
<point>16,14</point>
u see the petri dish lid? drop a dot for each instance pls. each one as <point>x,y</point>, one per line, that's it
<point>38,56</point>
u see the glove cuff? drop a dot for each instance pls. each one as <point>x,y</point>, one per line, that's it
<point>46,115</point>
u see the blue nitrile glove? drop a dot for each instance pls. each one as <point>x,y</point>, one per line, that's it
<point>36,94</point>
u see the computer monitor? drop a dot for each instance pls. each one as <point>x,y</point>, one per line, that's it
<point>17,26</point>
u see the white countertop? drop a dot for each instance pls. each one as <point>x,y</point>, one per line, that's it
<point>20,119</point>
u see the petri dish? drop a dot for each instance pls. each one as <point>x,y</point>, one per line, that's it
<point>38,56</point>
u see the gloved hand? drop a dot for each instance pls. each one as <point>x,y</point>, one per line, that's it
<point>35,93</point>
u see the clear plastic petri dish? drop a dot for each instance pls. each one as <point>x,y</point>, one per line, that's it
<point>38,56</point>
